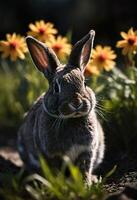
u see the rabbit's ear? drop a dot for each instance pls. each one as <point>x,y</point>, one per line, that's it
<point>44,58</point>
<point>81,51</point>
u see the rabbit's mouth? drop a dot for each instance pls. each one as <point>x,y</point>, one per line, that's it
<point>74,115</point>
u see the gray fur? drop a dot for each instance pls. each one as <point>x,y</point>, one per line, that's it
<point>63,120</point>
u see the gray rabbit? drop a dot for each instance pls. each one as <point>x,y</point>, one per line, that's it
<point>63,120</point>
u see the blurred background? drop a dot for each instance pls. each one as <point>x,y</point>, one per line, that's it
<point>107,17</point>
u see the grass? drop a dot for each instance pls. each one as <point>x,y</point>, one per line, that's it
<point>52,186</point>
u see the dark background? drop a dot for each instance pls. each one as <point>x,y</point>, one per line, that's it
<point>107,17</point>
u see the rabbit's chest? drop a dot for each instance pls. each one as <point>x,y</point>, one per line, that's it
<point>68,140</point>
<point>76,150</point>
<point>68,144</point>
<point>71,150</point>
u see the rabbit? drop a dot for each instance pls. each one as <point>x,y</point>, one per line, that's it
<point>63,121</point>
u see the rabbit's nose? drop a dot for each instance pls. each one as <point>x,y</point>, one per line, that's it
<point>74,106</point>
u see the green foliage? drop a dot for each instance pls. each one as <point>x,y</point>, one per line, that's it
<point>116,89</point>
<point>51,185</point>
<point>20,85</point>
<point>117,103</point>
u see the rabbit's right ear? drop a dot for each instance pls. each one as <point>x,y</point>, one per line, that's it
<point>43,57</point>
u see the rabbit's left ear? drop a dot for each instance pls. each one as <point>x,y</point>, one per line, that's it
<point>81,51</point>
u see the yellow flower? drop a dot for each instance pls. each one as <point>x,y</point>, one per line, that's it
<point>129,42</point>
<point>61,46</point>
<point>42,31</point>
<point>91,70</point>
<point>14,47</point>
<point>101,58</point>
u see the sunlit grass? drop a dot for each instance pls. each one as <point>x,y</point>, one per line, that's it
<point>51,185</point>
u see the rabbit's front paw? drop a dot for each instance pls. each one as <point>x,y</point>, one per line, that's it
<point>94,179</point>
<point>87,180</point>
<point>91,179</point>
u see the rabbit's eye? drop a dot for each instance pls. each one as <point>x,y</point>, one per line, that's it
<point>57,88</point>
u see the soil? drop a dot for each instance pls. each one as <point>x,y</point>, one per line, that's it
<point>121,185</point>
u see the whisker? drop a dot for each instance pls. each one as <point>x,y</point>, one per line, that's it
<point>53,124</point>
<point>102,115</point>
<point>102,111</point>
<point>100,98</point>
<point>102,107</point>
<point>59,125</point>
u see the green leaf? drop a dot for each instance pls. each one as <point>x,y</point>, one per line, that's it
<point>112,171</point>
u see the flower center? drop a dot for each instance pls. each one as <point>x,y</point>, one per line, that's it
<point>131,40</point>
<point>101,57</point>
<point>41,31</point>
<point>57,47</point>
<point>13,45</point>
